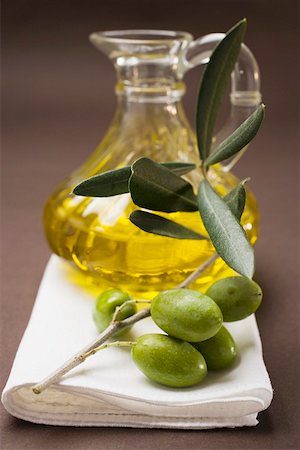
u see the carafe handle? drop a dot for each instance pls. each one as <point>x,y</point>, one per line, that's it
<point>245,93</point>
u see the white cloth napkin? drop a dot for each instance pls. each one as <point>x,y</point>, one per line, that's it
<point>107,389</point>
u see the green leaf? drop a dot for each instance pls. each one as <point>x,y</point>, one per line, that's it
<point>106,184</point>
<point>180,168</point>
<point>152,223</point>
<point>155,187</point>
<point>227,235</point>
<point>238,139</point>
<point>115,182</point>
<point>236,199</point>
<point>215,79</point>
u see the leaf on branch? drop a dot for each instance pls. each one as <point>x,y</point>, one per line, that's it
<point>238,139</point>
<point>106,184</point>
<point>226,233</point>
<point>180,168</point>
<point>115,182</point>
<point>155,187</point>
<point>152,223</point>
<point>215,79</point>
<point>236,199</point>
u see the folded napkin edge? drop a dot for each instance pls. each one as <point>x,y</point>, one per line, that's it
<point>242,405</point>
<point>129,420</point>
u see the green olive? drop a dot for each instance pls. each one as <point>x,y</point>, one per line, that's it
<point>106,304</point>
<point>168,361</point>
<point>219,351</point>
<point>237,297</point>
<point>186,314</point>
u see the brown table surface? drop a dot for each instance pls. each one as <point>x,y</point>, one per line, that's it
<point>58,100</point>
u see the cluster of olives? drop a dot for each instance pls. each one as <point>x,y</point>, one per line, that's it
<point>196,339</point>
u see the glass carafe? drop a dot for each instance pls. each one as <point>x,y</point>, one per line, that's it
<point>95,234</point>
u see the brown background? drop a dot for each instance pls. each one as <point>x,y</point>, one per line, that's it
<point>58,100</point>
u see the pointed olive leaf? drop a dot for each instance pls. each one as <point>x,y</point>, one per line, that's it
<point>238,139</point>
<point>155,187</point>
<point>236,199</point>
<point>178,167</point>
<point>115,182</point>
<point>215,79</point>
<point>226,233</point>
<point>106,184</point>
<point>152,223</point>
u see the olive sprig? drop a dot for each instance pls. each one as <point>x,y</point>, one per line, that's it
<point>160,188</point>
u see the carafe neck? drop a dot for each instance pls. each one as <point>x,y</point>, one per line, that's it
<point>149,90</point>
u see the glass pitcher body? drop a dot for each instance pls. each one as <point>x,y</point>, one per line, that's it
<point>95,234</point>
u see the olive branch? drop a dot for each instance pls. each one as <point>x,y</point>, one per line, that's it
<point>160,188</point>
